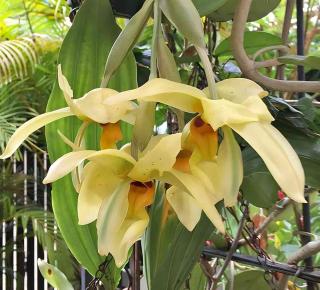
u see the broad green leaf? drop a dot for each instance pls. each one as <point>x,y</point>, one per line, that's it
<point>308,149</point>
<point>83,56</point>
<point>197,280</point>
<point>258,186</point>
<point>310,61</point>
<point>250,280</point>
<point>259,9</point>
<point>170,250</point>
<point>253,41</point>
<point>206,7</point>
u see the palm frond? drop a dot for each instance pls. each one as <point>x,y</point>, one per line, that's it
<point>13,113</point>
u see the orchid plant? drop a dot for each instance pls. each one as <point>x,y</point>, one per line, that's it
<point>200,166</point>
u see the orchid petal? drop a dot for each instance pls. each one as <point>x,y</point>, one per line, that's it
<point>98,183</point>
<point>229,168</point>
<point>111,216</point>
<point>191,184</point>
<point>237,90</point>
<point>158,157</point>
<point>278,155</point>
<point>223,112</point>
<point>31,126</point>
<point>92,106</point>
<point>180,96</point>
<point>68,93</point>
<point>118,161</point>
<point>120,224</point>
<point>131,231</point>
<point>257,106</point>
<point>65,164</point>
<point>185,206</point>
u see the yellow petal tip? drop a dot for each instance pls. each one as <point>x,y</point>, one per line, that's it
<point>263,94</point>
<point>45,181</point>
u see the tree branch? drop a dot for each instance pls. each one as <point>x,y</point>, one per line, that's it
<point>306,251</point>
<point>247,65</point>
<point>232,250</point>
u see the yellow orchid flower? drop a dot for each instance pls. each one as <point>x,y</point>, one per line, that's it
<point>241,109</point>
<point>115,189</point>
<point>90,107</point>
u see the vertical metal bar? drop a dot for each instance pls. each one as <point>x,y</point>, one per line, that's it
<point>3,263</point>
<point>45,207</point>
<point>3,244</point>
<point>83,278</point>
<point>25,230</point>
<point>301,77</point>
<point>136,267</point>
<point>35,239</point>
<point>300,39</point>
<point>15,252</point>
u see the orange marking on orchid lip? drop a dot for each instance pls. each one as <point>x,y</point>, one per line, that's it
<point>182,161</point>
<point>198,126</point>
<point>141,194</point>
<point>111,134</point>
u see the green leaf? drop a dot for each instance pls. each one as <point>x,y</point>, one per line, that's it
<point>197,279</point>
<point>253,41</point>
<point>311,61</point>
<point>83,56</point>
<point>259,9</point>
<point>206,7</point>
<point>170,250</point>
<point>250,280</point>
<point>308,149</point>
<point>258,186</point>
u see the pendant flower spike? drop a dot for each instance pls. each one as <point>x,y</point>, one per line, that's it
<point>116,189</point>
<point>90,108</point>
<point>241,109</point>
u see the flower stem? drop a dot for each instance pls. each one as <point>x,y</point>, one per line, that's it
<point>208,71</point>
<point>156,32</point>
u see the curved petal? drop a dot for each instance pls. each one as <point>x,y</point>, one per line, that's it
<point>189,183</point>
<point>119,224</point>
<point>257,106</point>
<point>158,157</point>
<point>31,126</point>
<point>277,154</point>
<point>238,90</point>
<point>111,216</point>
<point>118,161</point>
<point>223,112</point>
<point>67,92</point>
<point>229,168</point>
<point>177,95</point>
<point>185,206</point>
<point>98,183</point>
<point>65,164</point>
<point>92,106</point>
<point>130,232</point>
